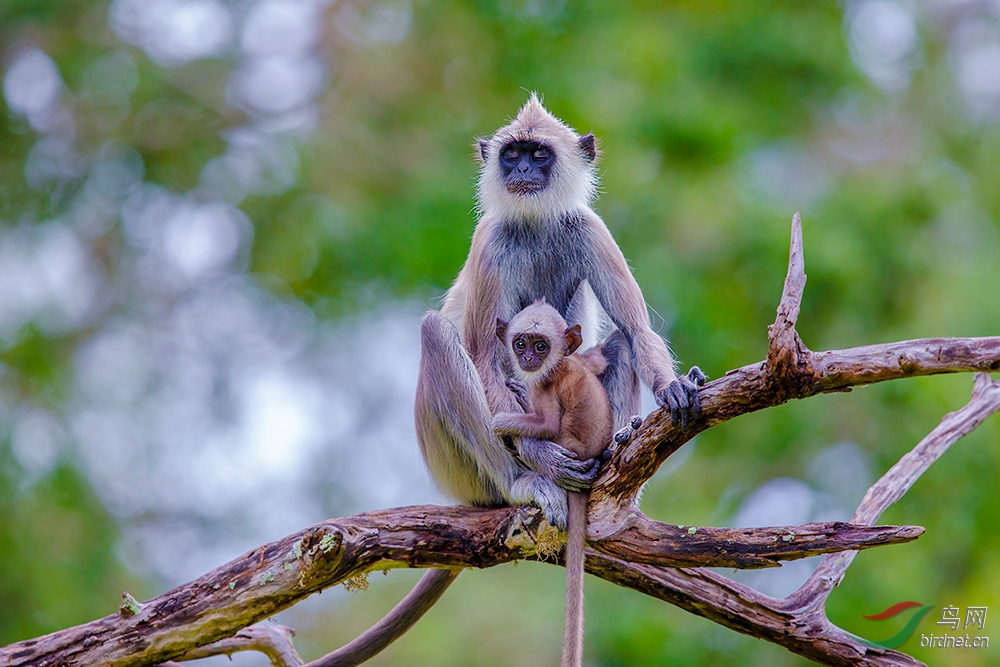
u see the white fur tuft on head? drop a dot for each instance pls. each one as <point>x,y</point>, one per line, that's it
<point>572,182</point>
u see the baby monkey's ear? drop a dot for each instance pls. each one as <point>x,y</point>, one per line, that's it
<point>502,330</point>
<point>574,339</point>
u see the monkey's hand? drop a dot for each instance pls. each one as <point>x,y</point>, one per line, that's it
<point>520,391</point>
<point>680,397</point>
<point>558,464</point>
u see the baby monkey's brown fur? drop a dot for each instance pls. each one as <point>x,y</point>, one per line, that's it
<point>566,403</point>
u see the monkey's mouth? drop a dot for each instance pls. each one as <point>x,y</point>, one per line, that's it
<point>523,187</point>
<point>530,364</point>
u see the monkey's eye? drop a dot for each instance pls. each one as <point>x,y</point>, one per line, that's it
<point>510,154</point>
<point>519,345</point>
<point>541,154</point>
<point>541,348</point>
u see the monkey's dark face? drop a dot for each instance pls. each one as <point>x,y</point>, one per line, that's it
<point>525,166</point>
<point>531,351</point>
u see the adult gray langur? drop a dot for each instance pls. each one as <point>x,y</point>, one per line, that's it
<point>537,237</point>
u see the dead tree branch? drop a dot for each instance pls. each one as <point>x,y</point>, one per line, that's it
<point>275,576</point>
<point>799,622</point>
<point>898,480</point>
<point>208,616</point>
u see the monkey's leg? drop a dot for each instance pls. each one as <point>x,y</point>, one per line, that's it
<point>468,462</point>
<point>409,610</point>
<point>620,380</point>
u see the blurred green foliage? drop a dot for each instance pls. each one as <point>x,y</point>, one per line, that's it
<point>685,98</point>
<point>58,552</point>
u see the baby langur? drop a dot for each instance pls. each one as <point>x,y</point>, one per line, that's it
<point>566,403</point>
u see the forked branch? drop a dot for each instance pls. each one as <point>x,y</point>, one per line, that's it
<point>799,622</point>
<point>791,371</point>
<point>275,576</point>
<point>627,547</point>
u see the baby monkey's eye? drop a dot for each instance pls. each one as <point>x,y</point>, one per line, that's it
<point>519,345</point>
<point>541,347</point>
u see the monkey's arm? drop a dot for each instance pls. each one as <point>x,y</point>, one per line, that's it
<point>533,434</point>
<point>620,296</point>
<point>541,422</point>
<point>480,286</point>
<point>532,425</point>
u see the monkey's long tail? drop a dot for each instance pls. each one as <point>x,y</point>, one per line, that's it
<point>572,655</point>
<point>409,610</point>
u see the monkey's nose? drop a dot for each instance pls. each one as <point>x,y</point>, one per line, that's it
<point>523,168</point>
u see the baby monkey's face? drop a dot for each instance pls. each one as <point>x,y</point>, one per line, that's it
<point>531,351</point>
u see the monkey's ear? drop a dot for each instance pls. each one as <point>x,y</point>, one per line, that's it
<point>501,330</point>
<point>589,147</point>
<point>484,150</point>
<point>574,339</point>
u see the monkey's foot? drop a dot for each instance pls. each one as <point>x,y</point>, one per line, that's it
<point>622,436</point>
<point>625,433</point>
<point>537,489</point>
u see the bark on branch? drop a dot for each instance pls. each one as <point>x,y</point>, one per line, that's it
<point>275,576</point>
<point>208,616</point>
<point>274,641</point>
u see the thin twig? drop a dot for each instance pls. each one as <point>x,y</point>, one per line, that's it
<point>274,641</point>
<point>791,371</point>
<point>787,355</point>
